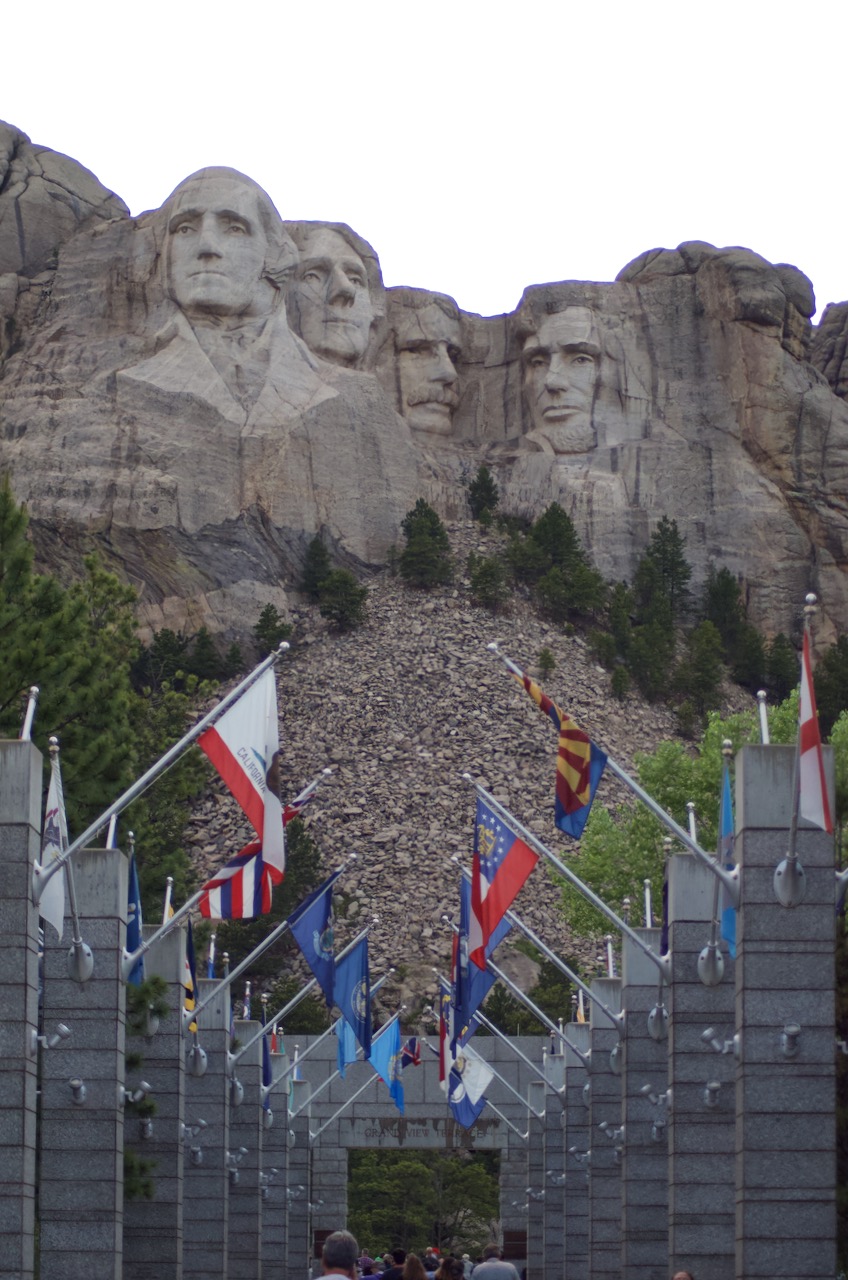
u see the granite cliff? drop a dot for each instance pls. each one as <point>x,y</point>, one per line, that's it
<point>198,390</point>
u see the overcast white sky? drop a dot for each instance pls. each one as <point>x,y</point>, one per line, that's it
<point>480,147</point>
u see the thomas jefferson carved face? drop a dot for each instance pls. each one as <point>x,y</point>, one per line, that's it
<point>217,248</point>
<point>330,304</point>
<point>427,341</point>
<point>560,371</point>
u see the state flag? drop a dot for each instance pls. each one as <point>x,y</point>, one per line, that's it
<point>502,863</point>
<point>580,764</point>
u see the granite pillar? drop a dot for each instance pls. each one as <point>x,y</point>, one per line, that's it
<point>206,1182</point>
<point>275,1156</point>
<point>553,1237</point>
<point>299,1259</point>
<point>644,1159</point>
<point>578,1146</point>
<point>153,1229</point>
<point>785,1083</point>
<point>21,770</point>
<point>701,1133</point>
<point>605,1166</point>
<point>82,1168</point>
<point>246,1133</point>
<point>536,1181</point>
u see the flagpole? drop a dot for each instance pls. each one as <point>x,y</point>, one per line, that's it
<point>662,962</point>
<point>496,1074</point>
<point>320,1040</point>
<point>301,995</point>
<point>496,1031</point>
<point>617,1019</point>
<point>729,878</point>
<point>130,961</point>
<point>525,999</point>
<point>507,1121</point>
<point>258,950</point>
<point>29,715</point>
<point>40,875</point>
<point>80,958</point>
<point>376,1076</point>
<point>790,881</point>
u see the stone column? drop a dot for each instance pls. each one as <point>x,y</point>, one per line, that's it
<point>244,1246</point>
<point>206,1217</point>
<point>275,1156</point>
<point>81,1193</point>
<point>785,1103</point>
<point>644,1167</point>
<point>299,1187</point>
<point>536,1180</point>
<point>577,1142</point>
<point>701,1138</point>
<point>553,1234</point>
<point>20,843</point>
<point>153,1229</point>
<point>605,1165</point>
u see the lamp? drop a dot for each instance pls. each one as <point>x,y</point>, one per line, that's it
<point>77,1088</point>
<point>47,1042</point>
<point>789,1038</point>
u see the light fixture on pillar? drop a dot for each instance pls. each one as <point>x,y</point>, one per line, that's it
<point>658,1022</point>
<point>197,1061</point>
<point>126,1095</point>
<point>733,1045</point>
<point>77,1088</point>
<point>616,1058</point>
<point>189,1131</point>
<point>234,1159</point>
<point>554,1178</point>
<point>789,1037</point>
<point>534,1195</point>
<point>587,1094</point>
<point>236,1092</point>
<point>582,1157</point>
<point>662,1101</point>
<point>267,1118</point>
<point>711,1094</point>
<point>47,1042</point>
<point>195,1156</point>
<point>145,1128</point>
<point>266,1181</point>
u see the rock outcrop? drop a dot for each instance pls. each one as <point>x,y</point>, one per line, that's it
<point>199,390</point>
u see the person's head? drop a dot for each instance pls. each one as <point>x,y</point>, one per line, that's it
<point>492,1251</point>
<point>560,359</point>
<point>399,1256</point>
<point>427,341</point>
<point>413,1268</point>
<point>451,1269</point>
<point>683,1275</point>
<point>329,303</point>
<point>340,1253</point>
<point>226,251</point>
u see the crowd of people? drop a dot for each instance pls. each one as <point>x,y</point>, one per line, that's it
<point>341,1256</point>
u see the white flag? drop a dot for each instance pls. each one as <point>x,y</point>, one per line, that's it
<point>54,841</point>
<point>475,1076</point>
<point>813,800</point>
<point>244,746</point>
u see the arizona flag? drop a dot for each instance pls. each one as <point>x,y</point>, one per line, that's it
<point>580,765</point>
<point>502,862</point>
<point>813,802</point>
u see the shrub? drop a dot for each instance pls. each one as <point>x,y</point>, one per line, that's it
<point>316,568</point>
<point>426,560</point>
<point>342,600</point>
<point>488,581</point>
<point>270,630</point>
<point>483,494</point>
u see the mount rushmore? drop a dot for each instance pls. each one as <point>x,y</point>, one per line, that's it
<point>197,391</point>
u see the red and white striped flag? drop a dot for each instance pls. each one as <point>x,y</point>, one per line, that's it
<point>813,802</point>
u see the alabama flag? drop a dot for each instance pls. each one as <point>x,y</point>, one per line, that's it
<point>813,802</point>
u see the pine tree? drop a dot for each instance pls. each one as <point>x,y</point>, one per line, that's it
<point>270,630</point>
<point>342,600</point>
<point>782,667</point>
<point>555,534</point>
<point>483,493</point>
<point>316,568</point>
<point>488,581</point>
<point>425,560</point>
<point>666,553</point>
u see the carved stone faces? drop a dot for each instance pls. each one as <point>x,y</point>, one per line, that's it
<point>217,246</point>
<point>330,304</point>
<point>560,372</point>
<point>427,342</point>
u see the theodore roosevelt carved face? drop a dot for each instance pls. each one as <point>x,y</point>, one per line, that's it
<point>330,302</point>
<point>227,253</point>
<point>427,343</point>
<point>560,363</point>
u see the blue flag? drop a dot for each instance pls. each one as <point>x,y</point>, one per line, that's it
<point>471,984</point>
<point>385,1059</point>
<point>725,857</point>
<point>312,927</point>
<point>463,1110</point>
<point>134,922</point>
<point>352,993</point>
<point>347,1046</point>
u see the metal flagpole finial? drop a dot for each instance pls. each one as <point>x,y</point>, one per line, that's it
<point>811,605</point>
<point>53,745</point>
<point>131,841</point>
<point>282,647</point>
<point>727,745</point>
<point>765,738</point>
